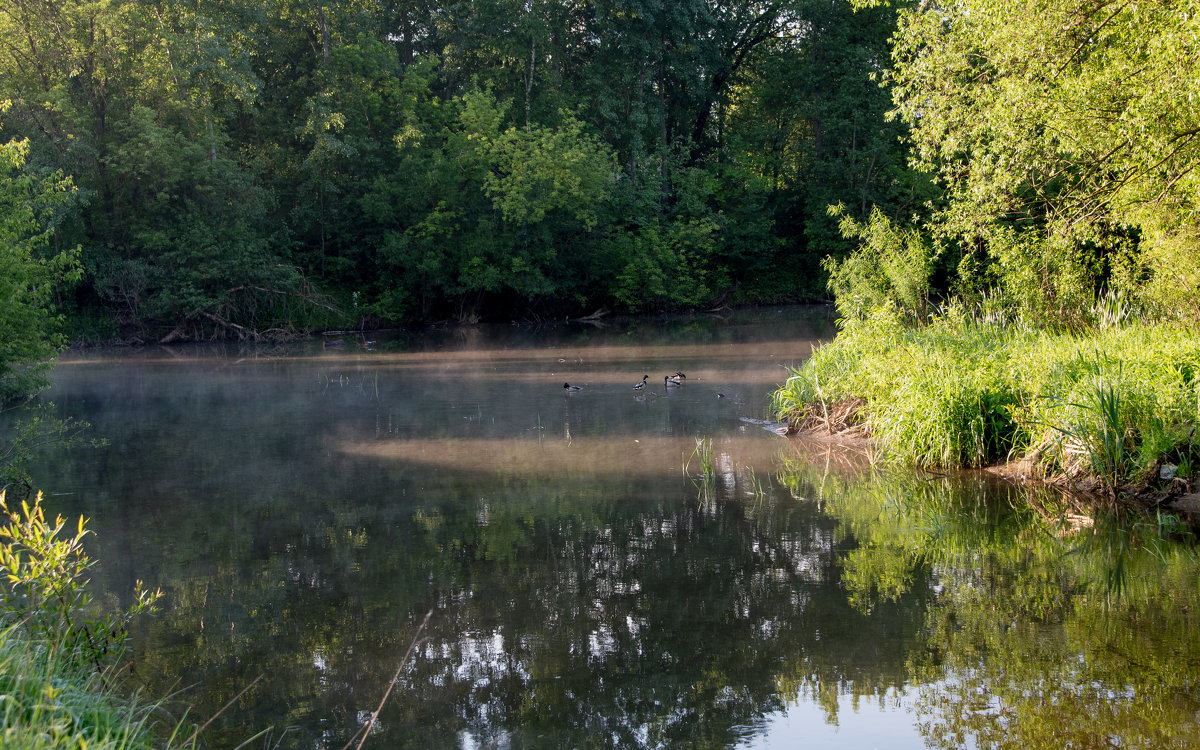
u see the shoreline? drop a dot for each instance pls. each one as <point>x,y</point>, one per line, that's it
<point>1177,496</point>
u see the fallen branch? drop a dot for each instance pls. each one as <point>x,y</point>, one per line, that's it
<point>366,730</point>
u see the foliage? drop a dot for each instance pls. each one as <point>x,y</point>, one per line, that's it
<point>892,267</point>
<point>1066,145</point>
<point>247,169</point>
<point>45,573</point>
<point>34,272</point>
<point>961,392</point>
<point>31,270</point>
<point>55,651</point>
<point>26,436</point>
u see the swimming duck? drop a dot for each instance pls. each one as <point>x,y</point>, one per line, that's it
<point>678,377</point>
<point>669,381</point>
<point>569,387</point>
<point>642,384</point>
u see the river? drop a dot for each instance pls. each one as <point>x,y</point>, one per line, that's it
<point>601,567</point>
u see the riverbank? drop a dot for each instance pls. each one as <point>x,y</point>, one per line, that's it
<point>90,333</point>
<point>1109,414</point>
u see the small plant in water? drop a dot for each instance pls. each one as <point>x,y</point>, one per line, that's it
<point>703,455</point>
<point>758,490</point>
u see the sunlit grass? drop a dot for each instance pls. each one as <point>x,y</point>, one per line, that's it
<point>960,393</point>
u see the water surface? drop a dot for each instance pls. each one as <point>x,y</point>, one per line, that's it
<point>304,508</point>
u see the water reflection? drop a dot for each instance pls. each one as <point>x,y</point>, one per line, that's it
<point>1039,632</point>
<point>305,508</point>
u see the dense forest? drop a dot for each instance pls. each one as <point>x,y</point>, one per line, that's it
<point>180,169</point>
<point>235,167</point>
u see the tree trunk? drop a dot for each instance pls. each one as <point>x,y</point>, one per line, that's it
<point>529,82</point>
<point>324,31</point>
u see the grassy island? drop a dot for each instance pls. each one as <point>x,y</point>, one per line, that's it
<point>1112,412</point>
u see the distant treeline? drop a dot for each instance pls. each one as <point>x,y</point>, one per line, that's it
<point>241,165</point>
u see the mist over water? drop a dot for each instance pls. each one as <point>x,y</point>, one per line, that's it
<point>304,507</point>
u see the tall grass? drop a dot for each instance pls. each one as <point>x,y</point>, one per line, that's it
<point>705,459</point>
<point>49,701</point>
<point>1105,406</point>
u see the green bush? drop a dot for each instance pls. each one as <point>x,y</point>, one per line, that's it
<point>892,267</point>
<point>56,652</point>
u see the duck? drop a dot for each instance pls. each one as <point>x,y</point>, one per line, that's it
<point>568,387</point>
<point>642,384</point>
<point>678,377</point>
<point>669,381</point>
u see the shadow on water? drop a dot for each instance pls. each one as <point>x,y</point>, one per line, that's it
<point>592,586</point>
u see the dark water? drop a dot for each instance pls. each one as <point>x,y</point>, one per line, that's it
<point>304,508</point>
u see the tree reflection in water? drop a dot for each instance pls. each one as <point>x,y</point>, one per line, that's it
<point>562,618</point>
<point>1042,632</point>
<point>585,592</point>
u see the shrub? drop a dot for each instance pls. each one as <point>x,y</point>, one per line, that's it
<point>55,650</point>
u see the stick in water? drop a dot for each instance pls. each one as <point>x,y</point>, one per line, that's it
<point>370,724</point>
<point>204,726</point>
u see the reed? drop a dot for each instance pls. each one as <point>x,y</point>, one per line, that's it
<point>1107,406</point>
<point>704,457</point>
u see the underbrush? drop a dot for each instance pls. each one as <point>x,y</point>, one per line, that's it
<point>60,658</point>
<point>1099,411</point>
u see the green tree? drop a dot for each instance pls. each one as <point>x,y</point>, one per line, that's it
<point>32,271</point>
<point>230,154</point>
<point>892,266</point>
<point>494,211</point>
<point>1067,145</point>
<point>808,119</point>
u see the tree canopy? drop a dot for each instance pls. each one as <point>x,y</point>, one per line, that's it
<point>31,268</point>
<point>1065,135</point>
<point>246,166</point>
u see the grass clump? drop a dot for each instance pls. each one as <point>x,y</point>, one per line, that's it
<point>705,458</point>
<point>1101,410</point>
<point>49,701</point>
